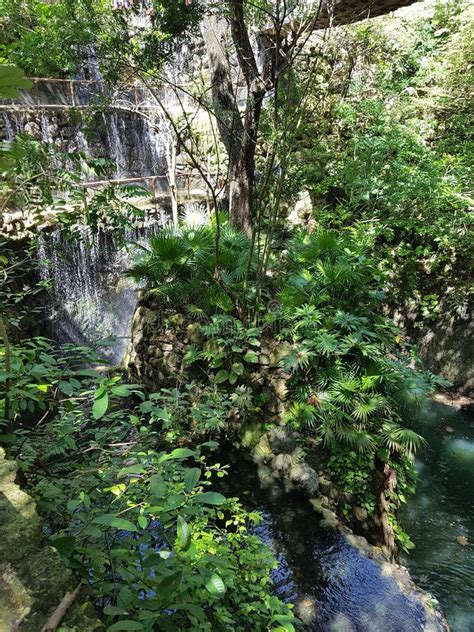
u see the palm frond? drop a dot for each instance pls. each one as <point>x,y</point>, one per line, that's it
<point>400,439</point>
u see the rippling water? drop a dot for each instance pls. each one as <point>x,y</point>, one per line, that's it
<point>440,517</point>
<point>335,587</point>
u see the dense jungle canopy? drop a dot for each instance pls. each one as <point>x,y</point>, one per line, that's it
<point>236,256</point>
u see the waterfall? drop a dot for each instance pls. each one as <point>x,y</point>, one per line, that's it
<point>90,301</point>
<point>133,144</point>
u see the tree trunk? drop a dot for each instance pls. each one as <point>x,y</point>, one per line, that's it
<point>171,159</point>
<point>386,484</point>
<point>239,144</point>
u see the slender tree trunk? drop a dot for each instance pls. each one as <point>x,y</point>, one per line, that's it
<point>7,362</point>
<point>239,137</point>
<point>172,181</point>
<point>240,189</point>
<point>386,483</point>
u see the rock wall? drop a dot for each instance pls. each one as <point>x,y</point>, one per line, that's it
<point>446,347</point>
<point>156,351</point>
<point>33,578</point>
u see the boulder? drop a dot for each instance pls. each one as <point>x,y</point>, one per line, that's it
<point>304,478</point>
<point>281,439</point>
<point>33,578</point>
<point>282,463</point>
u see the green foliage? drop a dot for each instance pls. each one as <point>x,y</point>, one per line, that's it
<point>181,269</point>
<point>53,39</point>
<point>12,80</point>
<point>351,384</point>
<point>150,539</point>
<point>44,183</point>
<point>391,150</point>
<point>40,376</point>
<point>141,526</point>
<point>196,410</point>
<point>229,347</point>
<point>354,472</point>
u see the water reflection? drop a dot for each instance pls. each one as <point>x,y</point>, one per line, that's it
<point>335,587</point>
<point>440,518</point>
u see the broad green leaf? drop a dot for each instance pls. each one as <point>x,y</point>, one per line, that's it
<point>131,469</point>
<point>142,521</point>
<point>209,444</point>
<point>215,585</point>
<point>99,408</point>
<point>157,486</point>
<point>238,368</point>
<point>183,539</point>
<point>65,545</point>
<point>210,498</point>
<point>126,624</point>
<point>178,453</point>
<point>233,377</point>
<point>66,387</point>
<point>191,477</point>
<point>251,356</point>
<point>121,390</point>
<point>221,376</point>
<point>286,622</point>
<point>113,610</point>
<point>110,520</point>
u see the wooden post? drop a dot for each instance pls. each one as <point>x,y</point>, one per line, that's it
<point>172,181</point>
<point>153,184</point>
<point>71,91</point>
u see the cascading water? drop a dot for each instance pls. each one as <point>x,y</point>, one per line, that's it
<point>90,301</point>
<point>134,144</point>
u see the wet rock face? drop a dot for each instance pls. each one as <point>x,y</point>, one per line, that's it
<point>446,346</point>
<point>33,578</point>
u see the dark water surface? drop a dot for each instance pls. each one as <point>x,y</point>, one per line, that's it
<point>440,517</point>
<point>336,587</point>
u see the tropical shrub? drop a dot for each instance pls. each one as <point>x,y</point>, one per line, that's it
<point>195,410</point>
<point>228,348</point>
<point>140,525</point>
<point>351,383</point>
<point>197,269</point>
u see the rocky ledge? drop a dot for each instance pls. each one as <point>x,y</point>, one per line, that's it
<point>33,578</point>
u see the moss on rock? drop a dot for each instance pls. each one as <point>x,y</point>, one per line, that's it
<point>33,578</point>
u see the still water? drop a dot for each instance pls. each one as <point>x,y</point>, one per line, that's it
<point>334,586</point>
<point>440,517</point>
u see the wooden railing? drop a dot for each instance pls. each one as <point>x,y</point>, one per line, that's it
<point>135,96</point>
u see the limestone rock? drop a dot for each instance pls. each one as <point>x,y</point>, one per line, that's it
<point>281,440</point>
<point>194,333</point>
<point>262,450</point>
<point>280,387</point>
<point>359,513</point>
<point>304,478</point>
<point>33,578</point>
<point>278,352</point>
<point>282,463</point>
